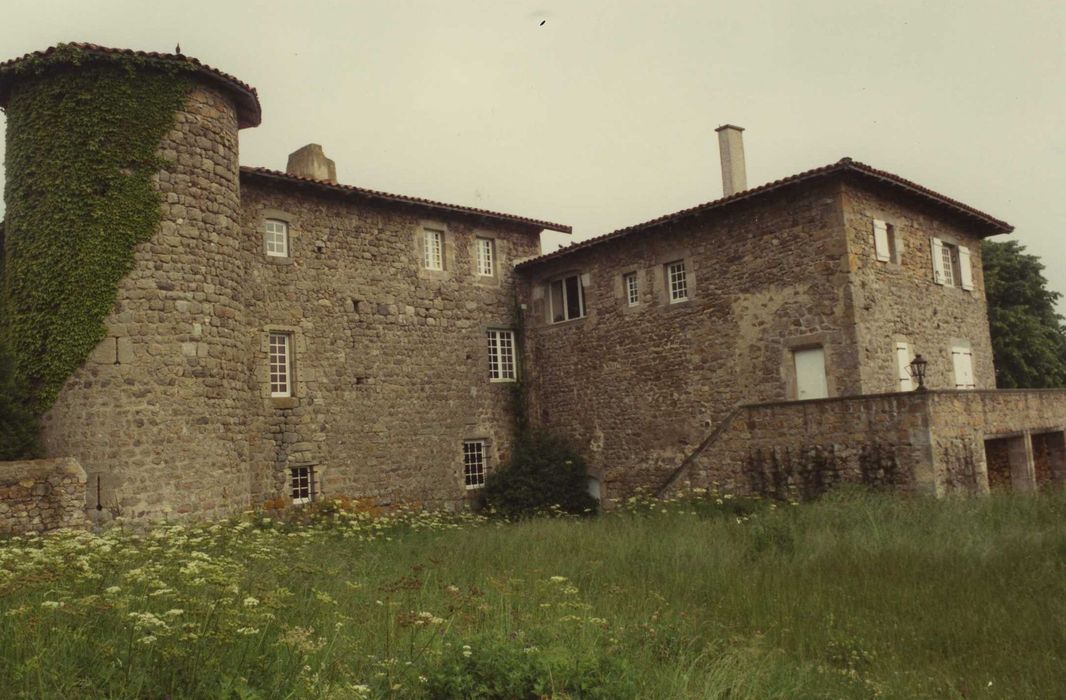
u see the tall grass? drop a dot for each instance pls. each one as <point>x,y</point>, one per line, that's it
<point>852,596</point>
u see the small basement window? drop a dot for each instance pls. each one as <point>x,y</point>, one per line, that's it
<point>303,484</point>
<point>474,464</point>
<point>276,238</point>
<point>566,298</point>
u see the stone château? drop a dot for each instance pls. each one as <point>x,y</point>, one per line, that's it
<point>284,337</point>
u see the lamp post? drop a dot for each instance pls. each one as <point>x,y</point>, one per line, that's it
<point>917,370</point>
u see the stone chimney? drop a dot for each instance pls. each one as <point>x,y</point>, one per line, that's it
<point>731,149</point>
<point>312,163</point>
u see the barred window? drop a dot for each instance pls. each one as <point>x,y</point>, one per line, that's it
<point>675,274</point>
<point>474,464</point>
<point>486,258</point>
<point>501,356</point>
<point>280,359</point>
<point>302,484</point>
<point>433,249</point>
<point>632,291</point>
<point>276,238</point>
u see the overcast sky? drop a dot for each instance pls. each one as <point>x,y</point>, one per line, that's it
<point>602,114</point>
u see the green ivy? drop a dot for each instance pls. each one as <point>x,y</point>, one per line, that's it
<point>82,136</point>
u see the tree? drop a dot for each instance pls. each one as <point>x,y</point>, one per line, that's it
<point>1028,337</point>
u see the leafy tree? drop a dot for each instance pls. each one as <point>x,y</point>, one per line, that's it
<point>1028,336</point>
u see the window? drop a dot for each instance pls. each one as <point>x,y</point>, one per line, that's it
<point>501,356</point>
<point>303,484</point>
<point>951,264</point>
<point>486,257</point>
<point>433,249</point>
<point>567,299</point>
<point>675,278</point>
<point>903,367</point>
<point>474,464</point>
<point>632,290</point>
<point>280,352</point>
<point>276,238</point>
<point>886,244</point>
<point>962,363</point>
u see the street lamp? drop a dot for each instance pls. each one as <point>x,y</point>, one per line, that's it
<point>917,370</point>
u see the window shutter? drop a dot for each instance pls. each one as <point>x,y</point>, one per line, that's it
<point>966,273</point>
<point>903,360</point>
<point>938,260</point>
<point>881,240</point>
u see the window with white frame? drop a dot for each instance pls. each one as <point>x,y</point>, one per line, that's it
<point>302,482</point>
<point>962,364</point>
<point>903,367</point>
<point>501,356</point>
<point>486,257</point>
<point>474,464</point>
<point>566,299</point>
<point>632,290</point>
<point>433,249</point>
<point>276,238</point>
<point>280,360</point>
<point>887,246</point>
<point>676,281</point>
<point>951,264</point>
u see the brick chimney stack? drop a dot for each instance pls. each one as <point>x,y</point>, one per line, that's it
<point>731,149</point>
<point>311,162</point>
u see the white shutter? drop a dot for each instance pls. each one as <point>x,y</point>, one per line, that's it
<point>965,273</point>
<point>881,241</point>
<point>903,362</point>
<point>938,259</point>
<point>962,363</point>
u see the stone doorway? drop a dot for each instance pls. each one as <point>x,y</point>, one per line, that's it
<point>1010,463</point>
<point>1049,460</point>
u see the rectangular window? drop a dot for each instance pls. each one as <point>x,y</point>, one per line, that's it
<point>276,238</point>
<point>501,356</point>
<point>486,258</point>
<point>962,363</point>
<point>433,253</point>
<point>675,278</point>
<point>302,480</point>
<point>886,245</point>
<point>631,289</point>
<point>951,264</point>
<point>474,464</point>
<point>947,262</point>
<point>567,298</point>
<point>280,355</point>
<point>903,367</point>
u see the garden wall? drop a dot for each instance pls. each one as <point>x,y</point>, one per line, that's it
<point>42,494</point>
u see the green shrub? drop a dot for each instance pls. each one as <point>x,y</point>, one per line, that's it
<point>545,475</point>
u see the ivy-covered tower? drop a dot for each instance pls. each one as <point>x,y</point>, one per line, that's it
<point>122,277</point>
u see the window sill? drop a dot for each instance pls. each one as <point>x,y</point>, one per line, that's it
<point>566,322</point>
<point>502,381</point>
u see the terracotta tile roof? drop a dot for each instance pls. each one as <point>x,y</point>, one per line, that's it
<point>249,112</point>
<point>990,224</point>
<point>266,175</point>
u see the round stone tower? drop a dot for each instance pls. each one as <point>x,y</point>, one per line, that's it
<point>157,412</point>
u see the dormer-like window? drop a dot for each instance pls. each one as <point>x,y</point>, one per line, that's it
<point>276,238</point>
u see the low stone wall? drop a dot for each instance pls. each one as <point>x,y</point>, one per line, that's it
<point>42,494</point>
<point>929,442</point>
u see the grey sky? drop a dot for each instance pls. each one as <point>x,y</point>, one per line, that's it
<point>603,116</point>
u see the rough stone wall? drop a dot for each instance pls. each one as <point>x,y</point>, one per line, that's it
<point>391,362</point>
<point>637,387</point>
<point>159,410</point>
<point>40,495</point>
<point>898,301</point>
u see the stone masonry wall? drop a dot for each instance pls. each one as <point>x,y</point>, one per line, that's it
<point>391,361</point>
<point>159,411</point>
<point>638,387</point>
<point>40,495</point>
<point>898,301</point>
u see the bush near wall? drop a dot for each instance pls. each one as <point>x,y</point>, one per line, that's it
<point>545,475</point>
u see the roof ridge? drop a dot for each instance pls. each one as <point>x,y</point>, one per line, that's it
<point>406,199</point>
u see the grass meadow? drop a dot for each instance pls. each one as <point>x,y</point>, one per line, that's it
<point>852,596</point>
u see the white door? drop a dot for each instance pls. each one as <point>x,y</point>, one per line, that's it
<point>903,363</point>
<point>810,374</point>
<point>962,361</point>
